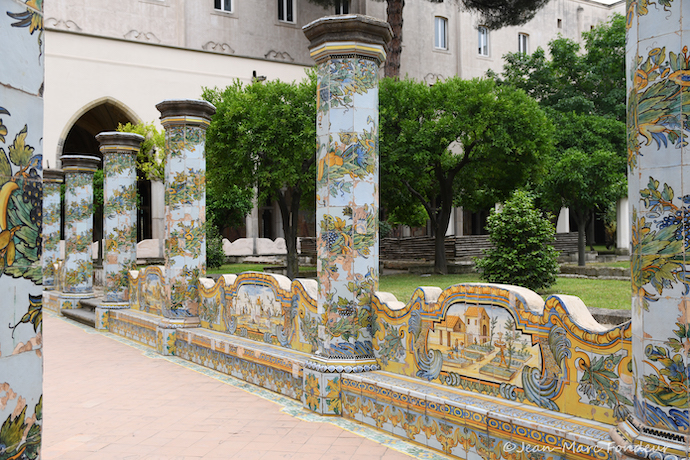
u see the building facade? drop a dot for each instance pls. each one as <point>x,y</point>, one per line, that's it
<point>111,62</point>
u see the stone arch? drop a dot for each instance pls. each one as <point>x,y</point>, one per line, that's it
<point>103,114</point>
<point>79,136</point>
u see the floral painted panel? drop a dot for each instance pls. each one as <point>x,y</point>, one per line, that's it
<point>21,215</point>
<point>185,201</point>
<point>347,204</point>
<point>51,231</point>
<point>119,195</point>
<point>660,239</point>
<point>658,116</point>
<point>78,266</point>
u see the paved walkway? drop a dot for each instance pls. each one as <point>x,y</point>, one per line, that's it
<point>108,398</point>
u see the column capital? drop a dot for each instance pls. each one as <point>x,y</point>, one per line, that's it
<point>114,140</point>
<point>185,112</point>
<point>80,163</point>
<point>56,176</point>
<point>347,35</point>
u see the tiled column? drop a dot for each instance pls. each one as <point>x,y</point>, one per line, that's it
<point>348,51</point>
<point>78,265</point>
<point>52,180</point>
<point>119,219</point>
<point>22,56</point>
<point>658,92</point>
<point>185,123</point>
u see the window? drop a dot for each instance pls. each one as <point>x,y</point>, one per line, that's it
<point>483,41</point>
<point>223,5</point>
<point>286,11</point>
<point>523,40</point>
<point>441,33</point>
<point>342,7</point>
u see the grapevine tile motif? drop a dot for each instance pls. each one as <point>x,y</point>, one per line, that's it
<point>660,239</point>
<point>21,209</point>
<point>78,267</point>
<point>185,196</point>
<point>658,110</point>
<point>119,212</point>
<point>51,231</point>
<point>347,202</point>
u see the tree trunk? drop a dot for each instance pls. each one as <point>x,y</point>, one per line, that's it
<point>581,219</point>
<point>442,219</point>
<point>394,12</point>
<point>290,215</point>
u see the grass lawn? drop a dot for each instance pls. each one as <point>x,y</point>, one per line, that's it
<point>594,293</point>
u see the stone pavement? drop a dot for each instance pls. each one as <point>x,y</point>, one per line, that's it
<point>106,397</point>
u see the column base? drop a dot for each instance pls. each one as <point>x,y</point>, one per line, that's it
<point>51,301</point>
<point>102,317</point>
<point>165,340</point>
<point>70,301</point>
<point>321,392</point>
<point>636,440</point>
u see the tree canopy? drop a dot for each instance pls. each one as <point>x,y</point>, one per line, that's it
<point>263,137</point>
<point>586,82</point>
<point>494,14</point>
<point>583,182</point>
<point>583,93</point>
<point>456,143</point>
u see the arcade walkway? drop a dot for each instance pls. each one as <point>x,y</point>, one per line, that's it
<point>108,398</point>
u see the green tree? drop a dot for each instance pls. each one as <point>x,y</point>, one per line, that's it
<point>494,14</point>
<point>457,143</point>
<point>263,136</point>
<point>584,182</point>
<point>583,93</point>
<point>590,82</point>
<point>151,156</point>
<point>522,252</point>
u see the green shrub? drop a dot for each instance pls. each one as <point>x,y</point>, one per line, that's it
<point>215,257</point>
<point>522,254</point>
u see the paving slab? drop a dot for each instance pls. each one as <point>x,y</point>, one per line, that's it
<point>106,397</point>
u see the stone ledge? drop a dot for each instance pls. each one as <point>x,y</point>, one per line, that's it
<point>440,418</point>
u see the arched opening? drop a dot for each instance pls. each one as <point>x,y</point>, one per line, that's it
<point>99,116</point>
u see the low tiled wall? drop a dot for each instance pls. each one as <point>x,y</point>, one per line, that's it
<point>473,369</point>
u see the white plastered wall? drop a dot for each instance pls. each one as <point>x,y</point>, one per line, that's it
<point>82,69</point>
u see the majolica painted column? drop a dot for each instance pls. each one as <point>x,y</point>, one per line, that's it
<point>22,55</point>
<point>119,219</point>
<point>52,180</point>
<point>78,265</point>
<point>185,123</point>
<point>658,91</point>
<point>348,51</point>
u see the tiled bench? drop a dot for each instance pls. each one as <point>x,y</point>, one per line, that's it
<point>465,424</point>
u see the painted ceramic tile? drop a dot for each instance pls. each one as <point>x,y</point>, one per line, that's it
<point>185,248</point>
<point>21,23</point>
<point>658,18</point>
<point>659,76</point>
<point>51,231</point>
<point>78,266</point>
<point>119,212</point>
<point>347,214</point>
<point>21,209</point>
